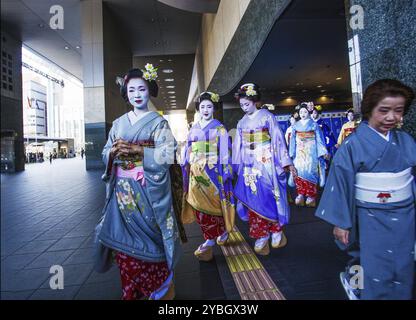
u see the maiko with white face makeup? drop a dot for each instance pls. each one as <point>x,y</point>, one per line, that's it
<point>135,144</point>
<point>207,177</point>
<point>347,128</point>
<point>304,114</point>
<point>261,158</point>
<point>307,149</point>
<point>138,93</point>
<point>248,106</point>
<point>206,110</point>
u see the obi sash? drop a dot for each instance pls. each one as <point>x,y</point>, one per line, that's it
<point>204,151</point>
<point>305,135</point>
<point>256,138</point>
<point>384,187</point>
<point>137,173</point>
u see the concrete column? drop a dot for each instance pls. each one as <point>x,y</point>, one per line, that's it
<point>12,144</point>
<point>104,56</point>
<point>382,45</point>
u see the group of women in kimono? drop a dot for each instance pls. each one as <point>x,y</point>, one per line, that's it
<point>139,229</point>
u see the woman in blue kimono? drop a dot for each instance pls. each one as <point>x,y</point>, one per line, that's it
<point>207,177</point>
<point>329,138</point>
<point>138,226</point>
<point>370,196</point>
<point>308,151</point>
<point>260,158</point>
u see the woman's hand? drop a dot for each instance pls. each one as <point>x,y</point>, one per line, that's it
<point>125,148</point>
<point>341,235</point>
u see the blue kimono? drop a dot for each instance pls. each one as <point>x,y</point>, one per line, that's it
<point>138,217</point>
<point>307,148</point>
<point>385,231</point>
<point>328,136</point>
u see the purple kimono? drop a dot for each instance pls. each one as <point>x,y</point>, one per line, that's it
<point>259,156</point>
<point>207,173</point>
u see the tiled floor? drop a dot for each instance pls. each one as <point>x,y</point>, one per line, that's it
<point>48,215</point>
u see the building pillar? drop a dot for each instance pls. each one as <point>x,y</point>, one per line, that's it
<point>382,45</point>
<point>12,144</point>
<point>104,56</point>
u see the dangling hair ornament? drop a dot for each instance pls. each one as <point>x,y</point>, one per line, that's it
<point>150,72</point>
<point>120,81</point>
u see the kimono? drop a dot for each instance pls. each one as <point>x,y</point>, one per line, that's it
<point>346,130</point>
<point>329,138</point>
<point>288,134</point>
<point>383,228</point>
<point>307,148</point>
<point>138,221</point>
<point>259,156</point>
<point>207,179</point>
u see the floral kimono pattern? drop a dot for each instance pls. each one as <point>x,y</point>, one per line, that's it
<point>207,175</point>
<point>259,156</point>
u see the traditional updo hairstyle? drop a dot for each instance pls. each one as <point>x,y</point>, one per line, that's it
<point>303,105</point>
<point>250,91</point>
<point>136,73</point>
<point>381,89</point>
<point>211,96</point>
<point>294,115</point>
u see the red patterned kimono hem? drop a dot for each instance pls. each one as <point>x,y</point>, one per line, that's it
<point>306,188</point>
<point>211,226</point>
<point>260,227</point>
<point>140,278</point>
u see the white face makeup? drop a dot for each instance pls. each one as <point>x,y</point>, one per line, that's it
<point>138,93</point>
<point>206,110</point>
<point>292,121</point>
<point>247,105</point>
<point>310,105</point>
<point>304,114</point>
<point>315,115</point>
<point>350,116</point>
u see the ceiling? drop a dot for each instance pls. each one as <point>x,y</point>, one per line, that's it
<point>155,31</point>
<point>304,54</point>
<point>306,48</point>
<point>172,95</point>
<point>28,21</point>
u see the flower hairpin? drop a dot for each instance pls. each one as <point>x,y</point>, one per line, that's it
<point>151,72</point>
<point>319,108</point>
<point>215,97</point>
<point>250,91</point>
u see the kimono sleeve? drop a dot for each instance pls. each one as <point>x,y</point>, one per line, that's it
<point>106,151</point>
<point>186,153</point>
<point>159,158</point>
<point>337,205</point>
<point>341,135</point>
<point>279,143</point>
<point>320,142</point>
<point>236,152</point>
<point>292,144</point>
<point>156,163</point>
<point>224,152</point>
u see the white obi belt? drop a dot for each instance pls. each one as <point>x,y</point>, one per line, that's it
<point>384,187</point>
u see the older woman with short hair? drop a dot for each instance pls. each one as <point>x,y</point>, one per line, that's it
<point>370,195</point>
